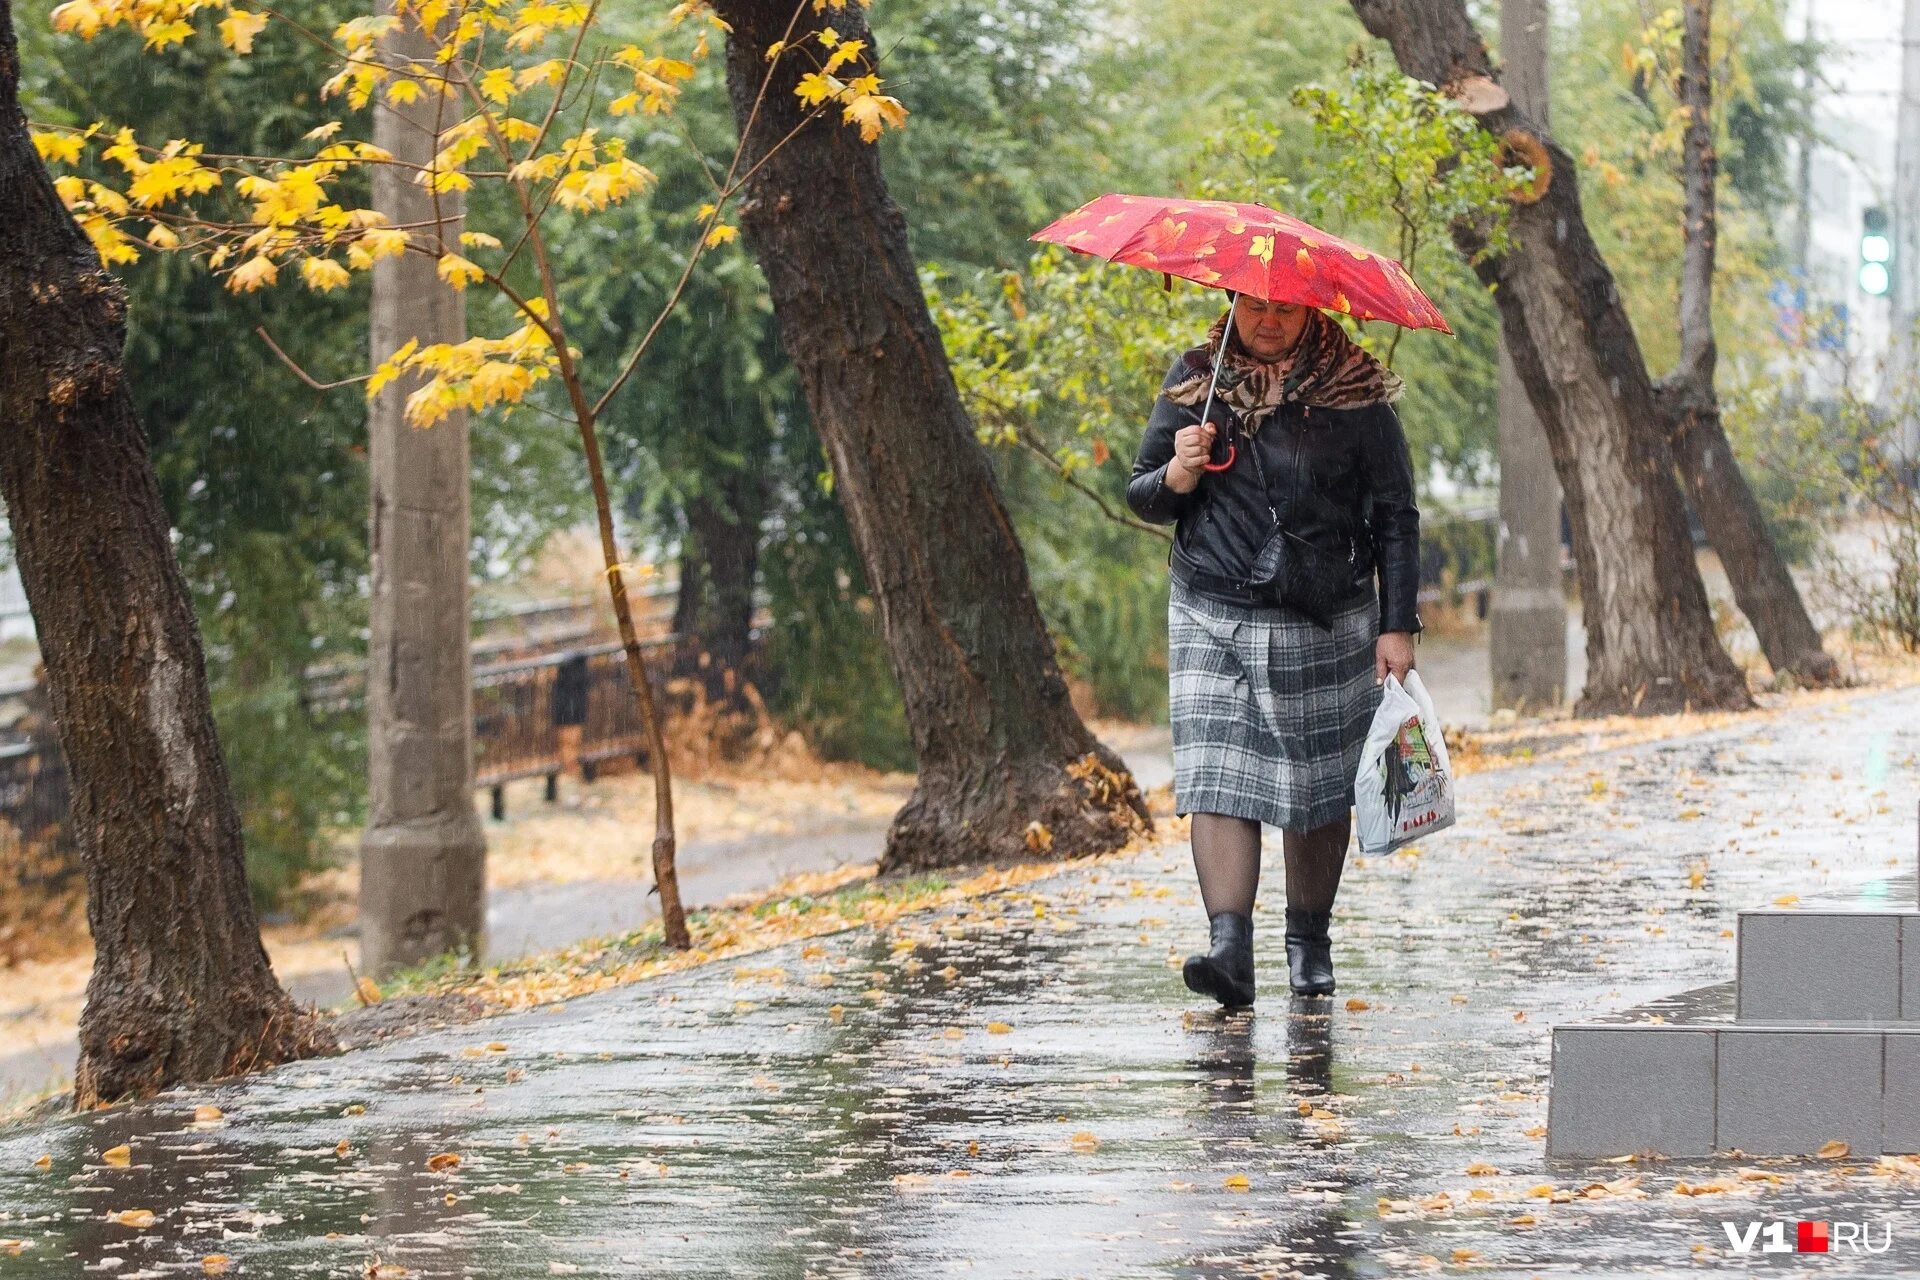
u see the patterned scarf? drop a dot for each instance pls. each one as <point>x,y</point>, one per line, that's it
<point>1325,368</point>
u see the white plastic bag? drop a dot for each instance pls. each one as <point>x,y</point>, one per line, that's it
<point>1404,789</point>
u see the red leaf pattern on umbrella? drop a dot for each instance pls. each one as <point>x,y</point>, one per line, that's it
<point>1283,258</point>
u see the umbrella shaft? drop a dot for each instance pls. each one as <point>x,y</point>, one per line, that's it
<point>1219,358</point>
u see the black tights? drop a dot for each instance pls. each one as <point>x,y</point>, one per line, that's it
<point>1226,854</point>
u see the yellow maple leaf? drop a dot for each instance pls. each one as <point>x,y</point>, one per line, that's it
<point>497,85</point>
<point>553,71</point>
<point>441,181</point>
<point>238,29</point>
<point>720,235</point>
<point>324,275</point>
<point>873,113</point>
<point>161,34</point>
<point>64,147</point>
<point>816,87</point>
<point>78,16</point>
<point>255,273</point>
<point>847,51</point>
<point>384,242</point>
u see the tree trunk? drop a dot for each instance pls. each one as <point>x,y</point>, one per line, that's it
<point>1651,645</point>
<point>713,610</point>
<point>998,741</point>
<point>181,987</point>
<point>1690,409</point>
<point>423,857</point>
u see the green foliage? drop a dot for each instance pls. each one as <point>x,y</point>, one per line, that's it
<point>1618,115</point>
<point>1841,494</point>
<point>1022,110</point>
<point>1001,137</point>
<point>834,676</point>
<point>1394,153</point>
<point>263,477</point>
<point>1057,368</point>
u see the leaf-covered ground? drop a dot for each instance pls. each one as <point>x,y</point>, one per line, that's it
<point>1017,1084</point>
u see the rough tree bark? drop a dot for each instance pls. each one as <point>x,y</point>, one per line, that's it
<point>713,608</point>
<point>998,741</point>
<point>1651,645</point>
<point>181,987</point>
<point>1690,409</point>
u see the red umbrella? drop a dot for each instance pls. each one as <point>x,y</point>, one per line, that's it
<point>1247,248</point>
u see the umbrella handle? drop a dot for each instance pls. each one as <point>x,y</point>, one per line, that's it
<point>1220,466</point>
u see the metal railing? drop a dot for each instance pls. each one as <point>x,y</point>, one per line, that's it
<point>38,857</point>
<point>520,710</point>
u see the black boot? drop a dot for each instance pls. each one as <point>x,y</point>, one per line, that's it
<point>1225,972</point>
<point>1309,952</point>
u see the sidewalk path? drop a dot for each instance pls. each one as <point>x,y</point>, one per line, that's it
<point>523,919</point>
<point>1021,1087</point>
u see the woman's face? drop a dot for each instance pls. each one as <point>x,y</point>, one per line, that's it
<point>1267,330</point>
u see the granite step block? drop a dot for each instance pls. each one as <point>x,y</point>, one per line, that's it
<point>1620,1089</point>
<point>1705,1088</point>
<point>1828,967</point>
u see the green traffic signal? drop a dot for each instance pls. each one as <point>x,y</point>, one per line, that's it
<point>1876,252</point>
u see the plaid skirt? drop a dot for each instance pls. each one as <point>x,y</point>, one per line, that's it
<point>1269,712</point>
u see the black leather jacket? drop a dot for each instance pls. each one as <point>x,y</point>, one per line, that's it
<point>1340,478</point>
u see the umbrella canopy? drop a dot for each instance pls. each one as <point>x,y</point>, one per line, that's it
<point>1247,248</point>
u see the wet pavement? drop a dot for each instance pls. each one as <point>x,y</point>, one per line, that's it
<point>525,919</point>
<point>1020,1086</point>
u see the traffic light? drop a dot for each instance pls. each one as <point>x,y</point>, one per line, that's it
<point>1876,252</point>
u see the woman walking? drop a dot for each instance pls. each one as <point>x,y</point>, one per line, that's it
<point>1270,706</point>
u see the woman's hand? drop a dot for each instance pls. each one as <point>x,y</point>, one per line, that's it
<point>1392,655</point>
<point>1192,446</point>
